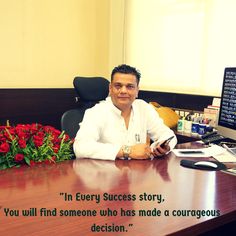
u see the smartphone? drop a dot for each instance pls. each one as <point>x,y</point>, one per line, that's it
<point>166,142</point>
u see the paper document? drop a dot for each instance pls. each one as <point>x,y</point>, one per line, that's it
<point>202,152</point>
<point>225,157</point>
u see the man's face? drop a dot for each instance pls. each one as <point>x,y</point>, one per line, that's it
<point>123,90</point>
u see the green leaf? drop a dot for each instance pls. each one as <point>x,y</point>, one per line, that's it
<point>3,167</point>
<point>2,160</point>
<point>27,160</point>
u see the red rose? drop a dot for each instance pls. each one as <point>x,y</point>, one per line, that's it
<point>9,134</point>
<point>40,134</point>
<point>49,129</point>
<point>19,157</point>
<point>50,161</point>
<point>21,134</point>
<point>34,128</point>
<point>66,137</point>
<point>2,127</point>
<point>56,132</point>
<point>38,141</point>
<point>2,138</point>
<point>4,148</point>
<point>11,130</point>
<point>22,143</point>
<point>56,140</point>
<point>56,148</point>
<point>47,162</point>
<point>32,163</point>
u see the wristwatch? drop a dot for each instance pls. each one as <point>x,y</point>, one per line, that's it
<point>126,151</point>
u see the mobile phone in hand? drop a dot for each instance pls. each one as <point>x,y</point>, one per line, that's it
<point>166,142</point>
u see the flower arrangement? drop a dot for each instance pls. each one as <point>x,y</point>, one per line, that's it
<point>33,144</point>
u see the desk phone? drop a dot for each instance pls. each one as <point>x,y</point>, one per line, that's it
<point>212,137</point>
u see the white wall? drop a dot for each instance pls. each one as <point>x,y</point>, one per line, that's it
<point>45,43</point>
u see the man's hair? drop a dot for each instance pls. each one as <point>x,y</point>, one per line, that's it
<point>126,69</point>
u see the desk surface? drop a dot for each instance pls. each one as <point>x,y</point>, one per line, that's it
<point>58,188</point>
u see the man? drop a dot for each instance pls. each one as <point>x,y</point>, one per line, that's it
<point>119,126</point>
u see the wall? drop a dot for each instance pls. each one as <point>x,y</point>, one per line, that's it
<point>46,106</point>
<point>45,43</point>
<point>116,35</point>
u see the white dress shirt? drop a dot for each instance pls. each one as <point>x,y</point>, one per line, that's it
<point>103,132</point>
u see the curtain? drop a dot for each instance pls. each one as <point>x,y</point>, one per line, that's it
<point>180,46</point>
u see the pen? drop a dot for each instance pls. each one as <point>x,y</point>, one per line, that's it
<point>137,138</point>
<point>228,149</point>
<point>191,152</point>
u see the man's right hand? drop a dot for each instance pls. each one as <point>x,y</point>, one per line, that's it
<point>140,151</point>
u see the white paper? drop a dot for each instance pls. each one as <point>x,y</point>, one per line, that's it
<point>206,152</point>
<point>216,102</point>
<point>225,157</point>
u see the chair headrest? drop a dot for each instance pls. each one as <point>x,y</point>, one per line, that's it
<point>91,88</point>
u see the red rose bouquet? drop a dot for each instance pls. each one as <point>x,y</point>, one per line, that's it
<point>33,143</point>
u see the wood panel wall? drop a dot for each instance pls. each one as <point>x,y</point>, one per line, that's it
<point>46,106</point>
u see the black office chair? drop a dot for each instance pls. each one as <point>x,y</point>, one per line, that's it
<point>90,90</point>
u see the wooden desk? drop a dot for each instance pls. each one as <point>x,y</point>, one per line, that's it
<point>186,137</point>
<point>44,186</point>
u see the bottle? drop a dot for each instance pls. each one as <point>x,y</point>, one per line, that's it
<point>202,127</point>
<point>195,125</point>
<point>180,124</point>
<point>188,124</point>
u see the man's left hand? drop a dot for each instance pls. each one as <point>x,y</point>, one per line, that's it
<point>159,151</point>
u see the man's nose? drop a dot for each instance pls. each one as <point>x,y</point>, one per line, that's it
<point>123,89</point>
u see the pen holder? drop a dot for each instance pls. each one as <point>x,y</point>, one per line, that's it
<point>195,127</point>
<point>202,129</point>
<point>187,126</point>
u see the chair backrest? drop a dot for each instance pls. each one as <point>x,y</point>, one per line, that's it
<point>90,90</point>
<point>70,121</point>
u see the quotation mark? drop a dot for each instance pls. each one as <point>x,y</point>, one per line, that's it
<point>130,225</point>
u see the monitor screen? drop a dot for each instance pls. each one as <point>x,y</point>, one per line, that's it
<point>227,114</point>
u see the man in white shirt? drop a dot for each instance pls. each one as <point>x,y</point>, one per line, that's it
<point>119,126</point>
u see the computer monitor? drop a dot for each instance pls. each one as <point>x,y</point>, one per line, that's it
<point>227,114</point>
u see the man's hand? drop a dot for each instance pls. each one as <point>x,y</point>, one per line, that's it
<point>160,150</point>
<point>140,151</point>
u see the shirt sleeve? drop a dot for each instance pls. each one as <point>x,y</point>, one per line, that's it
<point>157,130</point>
<point>87,145</point>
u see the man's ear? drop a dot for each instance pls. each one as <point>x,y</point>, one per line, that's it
<point>109,88</point>
<point>137,93</point>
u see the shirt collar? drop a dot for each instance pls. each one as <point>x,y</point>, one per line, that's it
<point>115,109</point>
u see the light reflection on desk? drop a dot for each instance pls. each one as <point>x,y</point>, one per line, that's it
<point>92,172</point>
<point>110,174</point>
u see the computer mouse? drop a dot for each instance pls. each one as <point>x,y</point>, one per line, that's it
<point>206,164</point>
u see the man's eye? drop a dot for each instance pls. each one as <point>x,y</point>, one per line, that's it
<point>117,86</point>
<point>130,87</point>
